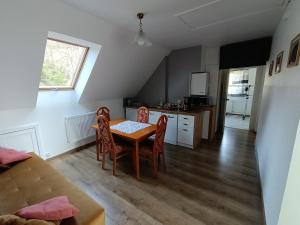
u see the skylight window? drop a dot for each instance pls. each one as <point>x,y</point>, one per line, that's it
<point>62,65</point>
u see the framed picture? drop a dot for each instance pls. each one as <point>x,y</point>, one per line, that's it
<point>294,52</point>
<point>271,68</point>
<point>278,62</point>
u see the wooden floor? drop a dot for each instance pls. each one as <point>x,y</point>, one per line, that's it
<point>216,184</point>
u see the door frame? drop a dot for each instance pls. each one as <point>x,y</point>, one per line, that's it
<point>224,79</point>
<point>258,91</point>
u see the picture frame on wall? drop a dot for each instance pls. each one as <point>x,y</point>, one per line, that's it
<point>271,68</point>
<point>278,64</point>
<point>294,53</point>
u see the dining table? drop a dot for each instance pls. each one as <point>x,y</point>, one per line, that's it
<point>135,137</point>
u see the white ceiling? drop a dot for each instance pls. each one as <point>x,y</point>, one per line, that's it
<point>183,23</point>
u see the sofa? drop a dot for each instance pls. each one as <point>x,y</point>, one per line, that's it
<point>34,180</point>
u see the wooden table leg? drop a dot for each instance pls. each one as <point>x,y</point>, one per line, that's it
<point>137,160</point>
<point>97,146</point>
<point>133,159</point>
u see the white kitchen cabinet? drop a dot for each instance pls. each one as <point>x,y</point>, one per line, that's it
<point>171,132</point>
<point>154,116</point>
<point>182,129</point>
<point>185,134</point>
<point>131,114</point>
<point>199,84</point>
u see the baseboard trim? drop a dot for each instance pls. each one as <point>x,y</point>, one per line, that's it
<point>73,150</point>
<point>260,188</point>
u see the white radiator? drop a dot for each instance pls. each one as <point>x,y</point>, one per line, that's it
<point>79,127</point>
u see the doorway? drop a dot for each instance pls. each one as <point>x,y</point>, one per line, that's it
<point>239,100</point>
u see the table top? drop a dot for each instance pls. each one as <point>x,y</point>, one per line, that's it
<point>136,136</point>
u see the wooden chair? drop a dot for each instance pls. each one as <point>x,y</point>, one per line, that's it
<point>152,151</point>
<point>108,145</point>
<point>143,115</point>
<point>103,110</point>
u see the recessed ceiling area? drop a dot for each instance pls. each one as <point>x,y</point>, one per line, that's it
<point>178,24</point>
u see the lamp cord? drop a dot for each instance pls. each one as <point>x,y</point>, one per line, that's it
<point>141,26</point>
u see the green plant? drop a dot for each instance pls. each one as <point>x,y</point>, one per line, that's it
<point>53,75</point>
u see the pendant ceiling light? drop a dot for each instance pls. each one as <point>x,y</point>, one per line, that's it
<point>141,39</point>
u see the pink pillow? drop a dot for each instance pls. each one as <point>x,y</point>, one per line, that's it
<point>57,208</point>
<point>8,156</point>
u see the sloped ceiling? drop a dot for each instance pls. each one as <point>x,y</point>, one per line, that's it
<point>184,23</point>
<point>121,68</point>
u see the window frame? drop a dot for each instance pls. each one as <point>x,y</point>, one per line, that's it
<point>77,73</point>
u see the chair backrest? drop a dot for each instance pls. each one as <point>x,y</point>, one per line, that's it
<point>104,133</point>
<point>161,127</point>
<point>143,115</point>
<point>103,111</point>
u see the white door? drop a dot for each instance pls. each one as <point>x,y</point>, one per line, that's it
<point>171,132</point>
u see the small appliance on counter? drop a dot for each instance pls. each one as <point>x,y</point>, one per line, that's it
<point>187,104</point>
<point>200,101</point>
<point>195,101</point>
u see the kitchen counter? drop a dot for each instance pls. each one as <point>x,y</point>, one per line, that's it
<point>207,115</point>
<point>192,112</point>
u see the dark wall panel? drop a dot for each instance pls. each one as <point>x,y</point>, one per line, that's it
<point>155,88</point>
<point>170,81</point>
<point>245,54</point>
<point>181,63</point>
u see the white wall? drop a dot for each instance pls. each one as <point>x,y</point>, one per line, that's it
<point>51,110</point>
<point>280,113</point>
<point>257,97</point>
<point>121,69</point>
<point>210,57</point>
<point>290,210</point>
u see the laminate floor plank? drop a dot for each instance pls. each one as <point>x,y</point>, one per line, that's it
<point>215,184</point>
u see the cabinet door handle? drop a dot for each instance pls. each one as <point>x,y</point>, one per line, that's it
<point>171,117</point>
<point>185,118</point>
<point>185,130</point>
<point>185,124</point>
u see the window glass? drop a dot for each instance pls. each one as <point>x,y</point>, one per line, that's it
<point>62,64</point>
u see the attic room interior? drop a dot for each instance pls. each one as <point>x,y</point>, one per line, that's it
<point>132,112</point>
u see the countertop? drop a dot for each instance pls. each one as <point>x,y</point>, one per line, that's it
<point>193,112</point>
